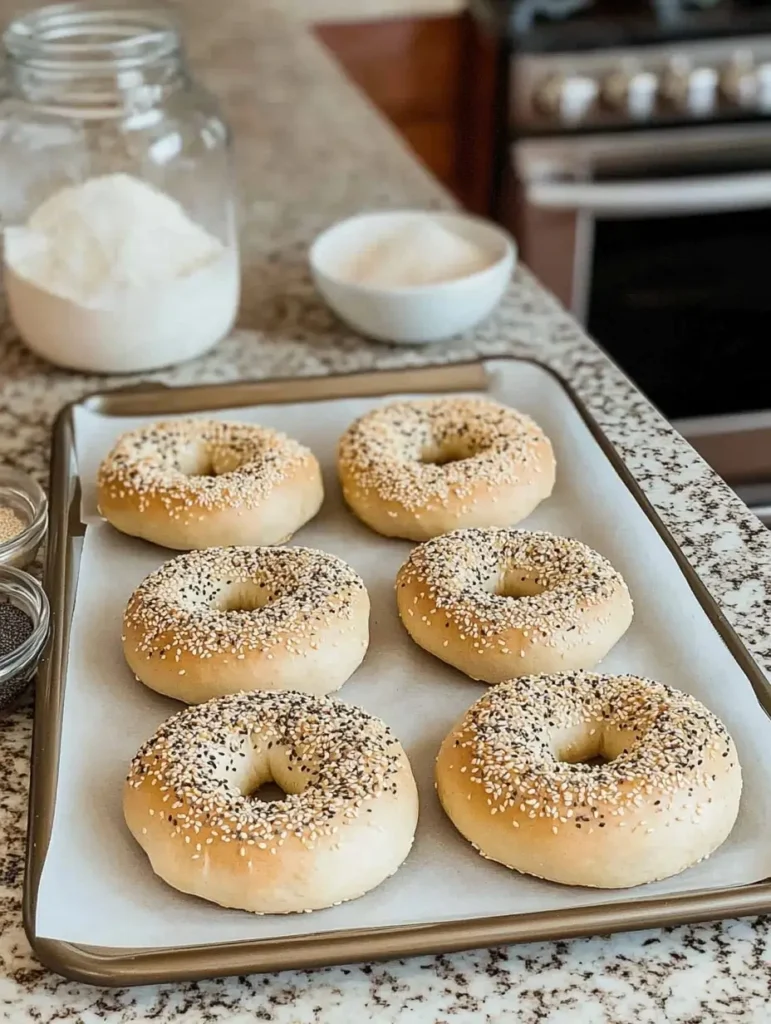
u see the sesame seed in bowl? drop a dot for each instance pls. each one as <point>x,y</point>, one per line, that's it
<point>23,517</point>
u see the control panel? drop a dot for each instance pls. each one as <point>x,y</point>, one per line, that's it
<point>694,82</point>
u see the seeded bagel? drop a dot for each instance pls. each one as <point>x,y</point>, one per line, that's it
<point>224,620</point>
<point>192,483</point>
<point>584,779</point>
<point>346,823</point>
<point>503,603</point>
<point>417,469</point>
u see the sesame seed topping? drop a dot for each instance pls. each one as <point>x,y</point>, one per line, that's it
<point>426,453</point>
<point>234,600</point>
<point>334,757</point>
<point>473,576</point>
<point>192,466</point>
<point>521,737</point>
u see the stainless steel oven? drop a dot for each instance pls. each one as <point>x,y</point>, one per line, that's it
<point>657,235</point>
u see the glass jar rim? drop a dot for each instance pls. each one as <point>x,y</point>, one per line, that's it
<point>15,583</point>
<point>92,34</point>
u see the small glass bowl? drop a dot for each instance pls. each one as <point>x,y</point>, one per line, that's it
<point>19,666</point>
<point>27,499</point>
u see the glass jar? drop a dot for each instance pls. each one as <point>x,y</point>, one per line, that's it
<point>24,620</point>
<point>23,501</point>
<point>100,92</point>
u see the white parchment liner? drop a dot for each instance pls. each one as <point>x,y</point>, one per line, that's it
<point>97,886</point>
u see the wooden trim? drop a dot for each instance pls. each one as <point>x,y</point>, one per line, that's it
<point>408,66</point>
<point>478,118</point>
<point>436,79</point>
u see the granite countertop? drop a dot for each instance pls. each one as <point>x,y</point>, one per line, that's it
<point>311,150</point>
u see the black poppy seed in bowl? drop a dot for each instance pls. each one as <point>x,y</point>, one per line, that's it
<point>15,629</point>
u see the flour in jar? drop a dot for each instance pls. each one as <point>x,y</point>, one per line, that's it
<point>112,276</point>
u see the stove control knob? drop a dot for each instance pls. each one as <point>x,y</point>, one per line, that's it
<point>762,94</point>
<point>693,90</point>
<point>546,97</point>
<point>578,96</point>
<point>701,95</point>
<point>739,80</point>
<point>632,92</point>
<point>569,99</point>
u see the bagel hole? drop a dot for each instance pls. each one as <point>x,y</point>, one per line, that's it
<point>244,597</point>
<point>208,460</point>
<point>444,454</point>
<point>203,468</point>
<point>268,793</point>
<point>578,746</point>
<point>593,761</point>
<point>516,584</point>
<point>196,460</point>
<point>591,750</point>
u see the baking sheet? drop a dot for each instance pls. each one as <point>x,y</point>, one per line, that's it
<point>96,885</point>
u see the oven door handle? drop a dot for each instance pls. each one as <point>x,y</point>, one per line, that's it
<point>654,198</point>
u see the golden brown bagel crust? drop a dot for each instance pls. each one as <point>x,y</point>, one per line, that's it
<point>193,483</point>
<point>224,620</point>
<point>510,776</point>
<point>416,469</point>
<point>503,603</point>
<point>346,824</point>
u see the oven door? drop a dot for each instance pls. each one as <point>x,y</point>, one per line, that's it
<point>659,242</point>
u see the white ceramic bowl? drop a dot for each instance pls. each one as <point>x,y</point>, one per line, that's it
<point>411,315</point>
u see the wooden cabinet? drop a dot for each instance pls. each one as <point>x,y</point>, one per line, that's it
<point>435,79</point>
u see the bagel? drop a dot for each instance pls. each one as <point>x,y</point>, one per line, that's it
<point>224,620</point>
<point>189,483</point>
<point>513,778</point>
<point>417,469</point>
<point>346,823</point>
<point>503,603</point>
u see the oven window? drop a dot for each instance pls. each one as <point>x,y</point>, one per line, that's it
<point>683,306</point>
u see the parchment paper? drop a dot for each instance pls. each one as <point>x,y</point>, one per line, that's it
<point>97,886</point>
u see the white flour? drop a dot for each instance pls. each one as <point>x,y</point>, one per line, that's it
<point>420,252</point>
<point>112,276</point>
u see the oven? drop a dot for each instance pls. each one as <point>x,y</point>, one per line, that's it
<point>661,245</point>
<point>640,194</point>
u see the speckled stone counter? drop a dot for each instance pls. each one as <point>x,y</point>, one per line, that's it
<point>310,151</point>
